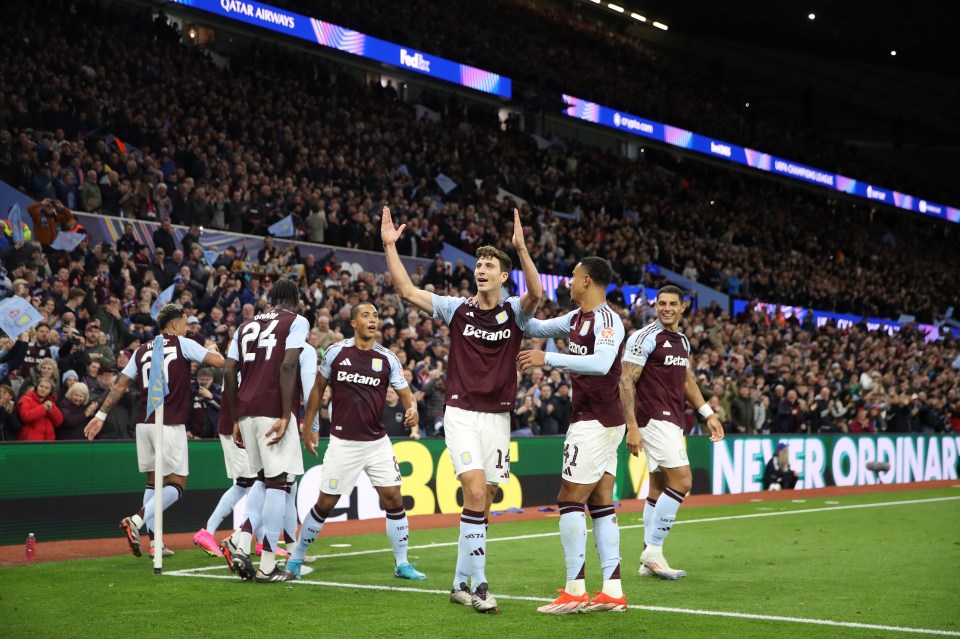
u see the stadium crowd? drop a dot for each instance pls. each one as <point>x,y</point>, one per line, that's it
<point>241,149</point>
<point>559,48</point>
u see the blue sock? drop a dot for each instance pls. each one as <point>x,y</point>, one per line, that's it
<point>273,507</point>
<point>170,495</point>
<point>290,514</point>
<point>606,535</point>
<point>225,507</point>
<point>573,538</point>
<point>398,531</point>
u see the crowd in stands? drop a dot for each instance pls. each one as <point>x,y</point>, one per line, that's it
<point>559,48</point>
<point>239,149</point>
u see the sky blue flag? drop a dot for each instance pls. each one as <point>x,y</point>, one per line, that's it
<point>283,228</point>
<point>17,316</point>
<point>158,388</point>
<point>445,183</point>
<point>166,295</point>
<point>67,241</point>
<point>16,223</point>
<point>211,257</point>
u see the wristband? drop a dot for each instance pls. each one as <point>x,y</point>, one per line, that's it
<point>102,416</point>
<point>705,411</point>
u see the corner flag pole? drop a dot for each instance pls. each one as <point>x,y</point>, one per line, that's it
<point>157,391</point>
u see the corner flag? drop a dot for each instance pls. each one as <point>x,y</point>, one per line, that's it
<point>158,388</point>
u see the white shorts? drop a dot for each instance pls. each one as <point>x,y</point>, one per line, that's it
<point>663,445</point>
<point>281,458</point>
<point>174,450</point>
<point>345,458</point>
<point>478,441</point>
<point>590,450</point>
<point>234,458</point>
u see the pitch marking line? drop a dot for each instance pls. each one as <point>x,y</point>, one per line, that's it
<point>447,544</point>
<point>683,611</point>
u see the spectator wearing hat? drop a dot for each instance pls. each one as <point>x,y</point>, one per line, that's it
<point>68,379</point>
<point>777,474</point>
<point>96,346</point>
<point>193,330</point>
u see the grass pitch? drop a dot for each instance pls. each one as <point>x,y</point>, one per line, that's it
<point>880,565</point>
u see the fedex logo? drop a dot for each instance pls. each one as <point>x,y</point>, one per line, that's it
<point>672,360</point>
<point>874,194</point>
<point>357,378</point>
<point>720,149</point>
<point>415,61</point>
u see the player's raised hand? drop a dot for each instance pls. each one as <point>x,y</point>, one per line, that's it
<point>411,418</point>
<point>715,427</point>
<point>634,441</point>
<point>388,234</point>
<point>518,242</point>
<point>530,359</point>
<point>278,429</point>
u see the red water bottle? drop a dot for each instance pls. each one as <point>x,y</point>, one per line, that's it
<point>31,547</point>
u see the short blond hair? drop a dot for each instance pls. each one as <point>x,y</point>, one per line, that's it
<point>81,388</point>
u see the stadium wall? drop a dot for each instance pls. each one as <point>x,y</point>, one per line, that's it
<point>78,490</point>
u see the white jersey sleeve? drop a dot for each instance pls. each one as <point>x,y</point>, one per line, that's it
<point>233,351</point>
<point>639,346</point>
<point>521,318</point>
<point>192,350</point>
<point>297,337</point>
<point>606,346</point>
<point>308,370</point>
<point>445,306</point>
<point>558,327</point>
<point>327,362</point>
<point>397,380</point>
<point>130,370</point>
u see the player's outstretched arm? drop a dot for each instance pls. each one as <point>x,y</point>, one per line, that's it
<point>93,427</point>
<point>695,398</point>
<point>405,288</point>
<point>629,376</point>
<point>214,358</point>
<point>531,299</point>
<point>311,438</point>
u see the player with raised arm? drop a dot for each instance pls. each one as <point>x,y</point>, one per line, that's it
<point>358,371</point>
<point>485,337</point>
<point>657,377</point>
<point>596,334</point>
<point>266,351</point>
<point>177,354</point>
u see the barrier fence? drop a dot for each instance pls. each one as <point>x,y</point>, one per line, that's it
<point>75,490</point>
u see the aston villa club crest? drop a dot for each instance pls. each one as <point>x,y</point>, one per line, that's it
<point>585,328</point>
<point>501,317</point>
<point>333,483</point>
<point>378,365</point>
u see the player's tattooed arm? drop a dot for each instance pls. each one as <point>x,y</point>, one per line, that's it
<point>629,376</point>
<point>93,427</point>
